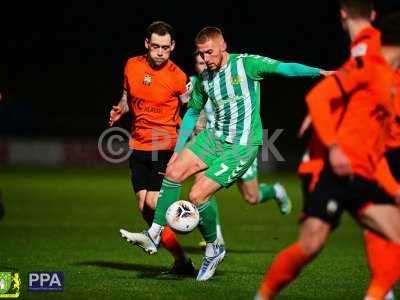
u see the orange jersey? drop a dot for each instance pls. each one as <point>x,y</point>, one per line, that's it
<point>394,140</point>
<point>367,42</point>
<point>154,103</point>
<point>383,173</point>
<point>365,89</point>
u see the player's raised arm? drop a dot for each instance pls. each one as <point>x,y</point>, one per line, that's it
<point>120,109</point>
<point>259,66</point>
<point>291,69</point>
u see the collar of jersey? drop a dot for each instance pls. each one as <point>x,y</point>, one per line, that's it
<point>227,63</point>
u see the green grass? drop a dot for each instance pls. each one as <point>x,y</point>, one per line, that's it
<point>68,220</point>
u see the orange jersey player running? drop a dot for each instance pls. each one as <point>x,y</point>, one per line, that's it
<point>357,17</point>
<point>352,112</point>
<point>152,88</point>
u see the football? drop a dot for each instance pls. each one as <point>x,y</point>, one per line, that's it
<point>182,216</point>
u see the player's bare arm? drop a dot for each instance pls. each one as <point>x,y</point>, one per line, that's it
<point>118,110</point>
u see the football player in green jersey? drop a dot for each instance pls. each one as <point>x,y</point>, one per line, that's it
<point>221,155</point>
<point>249,187</point>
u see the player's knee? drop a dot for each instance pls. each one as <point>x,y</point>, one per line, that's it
<point>384,219</point>
<point>174,174</point>
<point>251,197</point>
<point>313,237</point>
<point>196,196</point>
<point>151,202</point>
<point>141,200</point>
<point>312,246</point>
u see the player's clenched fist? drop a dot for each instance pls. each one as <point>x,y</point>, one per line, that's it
<point>115,114</point>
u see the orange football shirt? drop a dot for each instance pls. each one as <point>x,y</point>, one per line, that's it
<point>154,103</point>
<point>367,42</point>
<point>367,88</point>
<point>394,140</point>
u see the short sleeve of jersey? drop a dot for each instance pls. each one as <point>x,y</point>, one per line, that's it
<point>257,66</point>
<point>199,97</point>
<point>181,81</point>
<point>126,70</point>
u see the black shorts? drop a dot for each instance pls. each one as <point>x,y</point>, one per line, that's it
<point>146,167</point>
<point>393,159</point>
<point>332,195</point>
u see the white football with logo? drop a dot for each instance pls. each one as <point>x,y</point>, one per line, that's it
<point>182,216</point>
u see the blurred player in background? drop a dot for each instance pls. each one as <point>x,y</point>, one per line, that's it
<point>357,17</point>
<point>224,153</point>
<point>353,112</point>
<point>152,86</point>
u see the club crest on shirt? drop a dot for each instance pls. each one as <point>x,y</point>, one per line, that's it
<point>359,50</point>
<point>147,79</point>
<point>235,79</point>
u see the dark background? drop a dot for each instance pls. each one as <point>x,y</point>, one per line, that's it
<point>62,62</point>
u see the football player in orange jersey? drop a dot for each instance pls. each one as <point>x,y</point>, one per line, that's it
<point>152,88</point>
<point>352,113</point>
<point>356,17</point>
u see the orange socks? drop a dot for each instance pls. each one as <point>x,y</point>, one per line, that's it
<point>169,242</point>
<point>283,270</point>
<point>384,263</point>
<point>168,238</point>
<point>383,258</point>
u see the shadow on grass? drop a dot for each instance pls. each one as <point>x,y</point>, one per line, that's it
<point>143,271</point>
<point>200,250</point>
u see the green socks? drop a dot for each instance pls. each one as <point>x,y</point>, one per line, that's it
<point>214,204</point>
<point>169,193</point>
<point>266,192</point>
<point>208,223</point>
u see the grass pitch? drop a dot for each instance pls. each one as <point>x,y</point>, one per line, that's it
<point>68,220</point>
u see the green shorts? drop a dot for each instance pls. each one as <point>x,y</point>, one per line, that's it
<point>251,172</point>
<point>226,162</point>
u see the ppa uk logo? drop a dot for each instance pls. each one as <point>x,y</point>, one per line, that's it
<point>46,282</point>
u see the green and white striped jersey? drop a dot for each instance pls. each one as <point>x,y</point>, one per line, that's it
<point>234,94</point>
<point>208,109</point>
